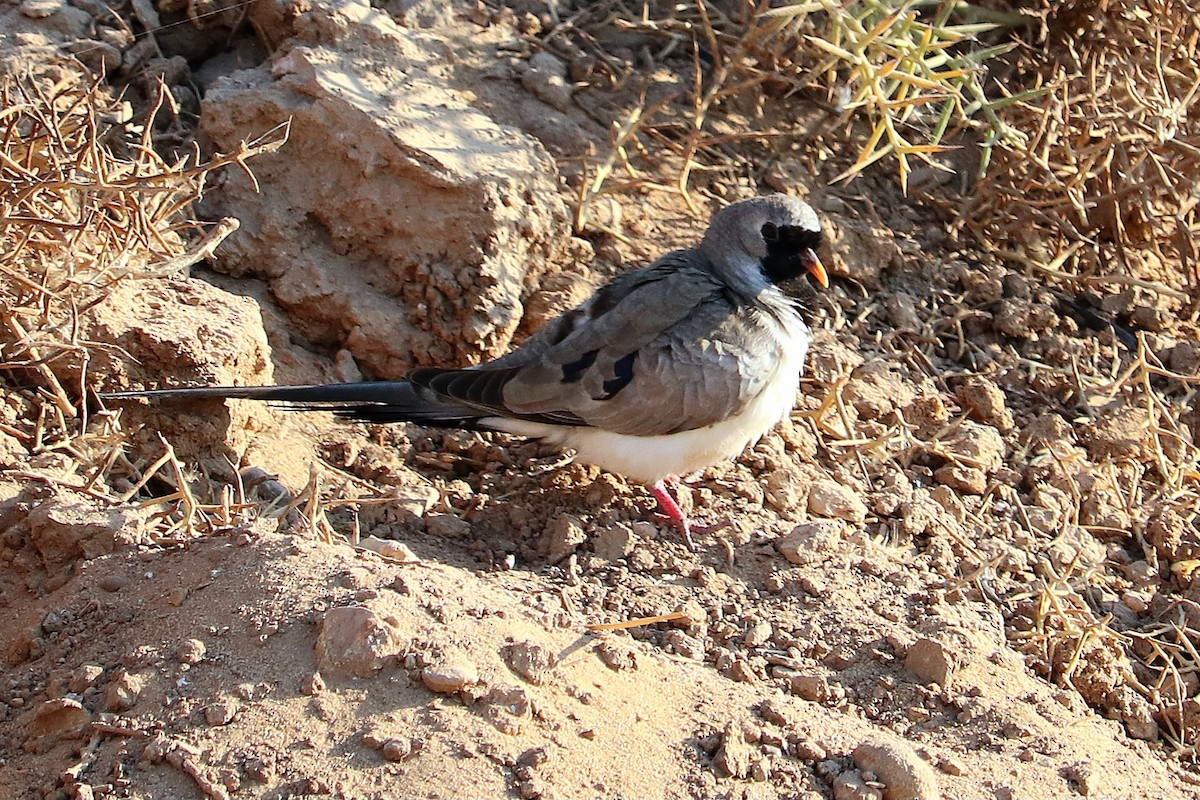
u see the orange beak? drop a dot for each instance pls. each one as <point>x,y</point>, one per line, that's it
<point>815,268</point>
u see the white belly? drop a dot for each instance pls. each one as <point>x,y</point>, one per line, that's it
<point>649,459</point>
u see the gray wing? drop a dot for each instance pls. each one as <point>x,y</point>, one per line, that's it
<point>657,351</point>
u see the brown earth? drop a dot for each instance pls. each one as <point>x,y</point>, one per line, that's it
<point>963,569</point>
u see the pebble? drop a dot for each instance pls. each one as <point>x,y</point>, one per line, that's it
<point>829,498</point>
<point>450,678</point>
<point>396,749</point>
<point>811,542</point>
<point>221,712</point>
<point>84,677</point>
<point>190,652</point>
<point>40,9</point>
<point>532,661</point>
<point>59,716</point>
<point>123,692</point>
<point>113,582</point>
<point>354,641</point>
<point>904,774</point>
<point>561,536</point>
<point>614,542</point>
<point>931,661</point>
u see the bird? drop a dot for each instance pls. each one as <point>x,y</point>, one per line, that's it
<point>664,371</point>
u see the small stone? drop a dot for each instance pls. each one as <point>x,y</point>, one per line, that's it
<point>450,678</point>
<point>447,526</point>
<point>123,692</point>
<point>984,401</point>
<point>176,596</point>
<point>811,542</point>
<point>904,774</point>
<point>952,765</point>
<point>851,785</point>
<point>534,756</point>
<point>532,661</point>
<point>829,498</point>
<point>113,582</point>
<point>190,652</point>
<point>560,537</point>
<point>354,641</point>
<point>59,717</point>
<point>615,656</point>
<point>759,634</point>
<point>810,687</point>
<point>84,677</point>
<point>221,712</point>
<point>733,756</point>
<point>614,542</point>
<point>40,9</point>
<point>396,749</point>
<point>931,661</point>
<point>390,549</point>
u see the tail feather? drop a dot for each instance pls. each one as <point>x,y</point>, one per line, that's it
<point>372,401</point>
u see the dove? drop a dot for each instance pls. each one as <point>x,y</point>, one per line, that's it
<point>664,371</point>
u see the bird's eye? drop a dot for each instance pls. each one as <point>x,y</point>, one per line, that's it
<point>770,232</point>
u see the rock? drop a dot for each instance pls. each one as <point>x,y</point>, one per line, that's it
<point>810,542</point>
<point>123,692</point>
<point>733,757</point>
<point>876,389</point>
<point>904,774</point>
<point>84,677</point>
<point>61,717</point>
<point>447,526</point>
<point>532,661</point>
<point>850,785</point>
<point>190,652</point>
<point>614,542</point>
<point>860,248</point>
<point>63,531</point>
<point>40,9</point>
<point>113,582</point>
<point>450,677</point>
<point>931,661</point>
<point>616,657</point>
<point>221,712</point>
<point>1118,433</point>
<point>313,685</point>
<point>560,537</point>
<point>829,498</point>
<point>984,401</point>
<point>784,492</point>
<point>396,749</point>
<point>354,641</point>
<point>390,549</point>
<point>810,687</point>
<point>184,332</point>
<point>545,77</point>
<point>398,222</point>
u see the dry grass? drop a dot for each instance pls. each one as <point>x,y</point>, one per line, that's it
<point>918,78</point>
<point>1103,189</point>
<point>85,202</point>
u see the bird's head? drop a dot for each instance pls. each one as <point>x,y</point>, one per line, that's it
<point>773,239</point>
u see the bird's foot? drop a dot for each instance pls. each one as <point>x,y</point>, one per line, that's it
<point>673,514</point>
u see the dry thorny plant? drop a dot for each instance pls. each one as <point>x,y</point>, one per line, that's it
<point>86,202</point>
<point>917,77</point>
<point>1103,190</point>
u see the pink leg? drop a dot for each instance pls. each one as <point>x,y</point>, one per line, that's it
<point>674,512</point>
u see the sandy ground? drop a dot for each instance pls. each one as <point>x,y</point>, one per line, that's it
<point>950,574</point>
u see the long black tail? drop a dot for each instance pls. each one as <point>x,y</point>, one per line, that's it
<point>372,401</point>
